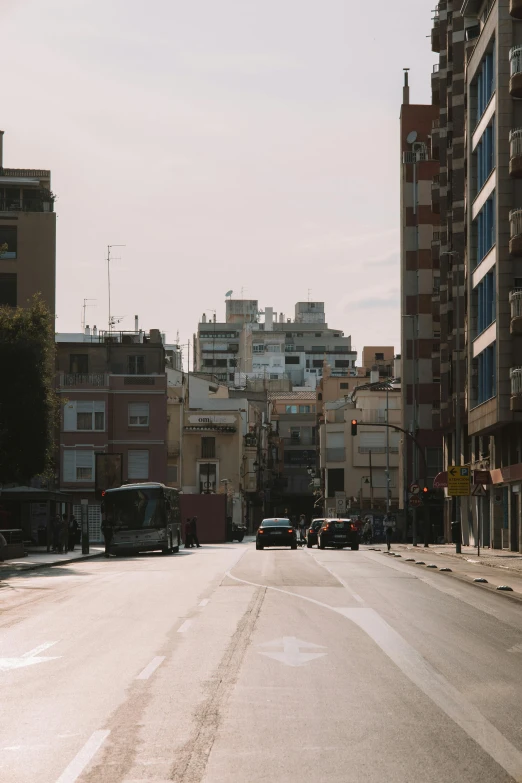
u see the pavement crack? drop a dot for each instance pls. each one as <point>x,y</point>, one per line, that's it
<point>193,757</point>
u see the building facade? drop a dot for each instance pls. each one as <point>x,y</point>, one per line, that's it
<point>27,236</point>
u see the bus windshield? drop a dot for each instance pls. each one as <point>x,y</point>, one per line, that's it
<point>135,509</point>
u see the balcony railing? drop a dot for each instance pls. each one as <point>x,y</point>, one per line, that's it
<point>27,205</point>
<point>515,300</point>
<point>301,440</point>
<point>515,60</point>
<point>84,379</point>
<point>516,381</point>
<point>515,223</point>
<point>472,32</point>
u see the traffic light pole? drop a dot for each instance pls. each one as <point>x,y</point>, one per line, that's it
<point>399,429</point>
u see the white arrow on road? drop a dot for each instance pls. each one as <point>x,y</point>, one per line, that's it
<point>291,653</point>
<point>28,658</point>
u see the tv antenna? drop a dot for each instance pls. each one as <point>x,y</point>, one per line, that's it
<point>84,307</point>
<point>109,248</point>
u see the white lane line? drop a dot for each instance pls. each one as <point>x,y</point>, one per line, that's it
<point>38,650</point>
<point>414,666</point>
<point>185,626</point>
<point>339,579</point>
<point>80,761</point>
<point>204,602</point>
<point>151,667</point>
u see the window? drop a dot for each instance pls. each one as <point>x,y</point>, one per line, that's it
<point>78,465</point>
<point>80,416</point>
<point>379,357</point>
<point>208,448</point>
<point>208,362</point>
<point>317,334</point>
<point>487,374</point>
<point>290,408</point>
<point>8,237</point>
<point>485,301</point>
<point>138,464</point>
<point>318,348</point>
<point>344,385</point>
<point>295,434</point>
<point>8,289</point>
<point>485,159</point>
<point>232,362</point>
<point>342,362</point>
<point>317,363</point>
<point>485,84</point>
<point>291,359</point>
<point>136,365</point>
<point>79,363</point>
<point>306,408</point>
<point>372,441</point>
<point>221,362</point>
<point>484,226</point>
<point>258,348</point>
<point>337,334</point>
<point>172,474</point>
<point>231,376</point>
<point>138,414</point>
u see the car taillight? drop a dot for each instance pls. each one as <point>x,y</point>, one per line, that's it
<point>290,529</point>
<point>353,527</point>
<point>260,531</point>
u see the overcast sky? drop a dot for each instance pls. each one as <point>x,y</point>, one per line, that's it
<point>229,144</point>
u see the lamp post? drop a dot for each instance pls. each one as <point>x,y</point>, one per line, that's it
<point>456,255</point>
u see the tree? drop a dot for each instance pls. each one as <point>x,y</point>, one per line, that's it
<point>29,405</point>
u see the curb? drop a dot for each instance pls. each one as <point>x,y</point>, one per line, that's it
<point>5,570</point>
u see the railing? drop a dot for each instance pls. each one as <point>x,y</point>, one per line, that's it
<point>84,379</point>
<point>472,32</point>
<point>34,173</point>
<point>302,440</point>
<point>515,222</point>
<point>436,68</point>
<point>33,205</point>
<point>378,449</point>
<point>515,300</point>
<point>415,157</point>
<point>515,142</point>
<point>515,60</point>
<point>435,125</point>
<point>516,381</point>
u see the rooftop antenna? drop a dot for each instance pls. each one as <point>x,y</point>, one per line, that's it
<point>309,292</point>
<point>229,294</point>
<point>109,248</point>
<point>84,307</point>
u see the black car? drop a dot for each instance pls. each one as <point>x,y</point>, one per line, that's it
<point>311,533</point>
<point>276,532</point>
<point>338,533</point>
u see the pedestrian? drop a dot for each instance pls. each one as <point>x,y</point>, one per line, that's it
<point>3,548</point>
<point>367,532</point>
<point>388,525</point>
<point>194,531</point>
<point>108,533</point>
<point>302,527</point>
<point>64,535</point>
<point>188,534</point>
<point>73,532</point>
<point>57,530</point>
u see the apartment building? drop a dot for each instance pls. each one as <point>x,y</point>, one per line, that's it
<point>420,319</point>
<point>114,388</point>
<point>27,235</point>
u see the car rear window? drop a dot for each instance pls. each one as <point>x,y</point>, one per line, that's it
<point>275,522</point>
<point>342,524</point>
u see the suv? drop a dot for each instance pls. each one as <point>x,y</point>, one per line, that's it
<point>338,533</point>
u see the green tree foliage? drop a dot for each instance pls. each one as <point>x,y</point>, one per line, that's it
<point>28,403</point>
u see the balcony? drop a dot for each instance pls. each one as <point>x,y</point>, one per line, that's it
<point>75,379</point>
<point>515,232</point>
<point>515,302</point>
<point>435,195</point>
<point>515,66</point>
<point>472,33</point>
<point>435,33</point>
<point>515,152</point>
<point>516,389</point>
<point>515,9</point>
<point>299,440</point>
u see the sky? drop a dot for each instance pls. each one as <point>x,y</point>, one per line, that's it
<point>250,145</point>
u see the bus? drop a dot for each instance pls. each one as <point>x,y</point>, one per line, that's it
<point>144,518</point>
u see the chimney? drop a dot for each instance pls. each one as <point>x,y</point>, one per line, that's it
<point>94,331</point>
<point>397,366</point>
<point>136,324</point>
<point>214,318</point>
<point>204,319</point>
<point>87,330</point>
<point>1,149</point>
<point>406,88</point>
<point>374,374</point>
<point>269,319</point>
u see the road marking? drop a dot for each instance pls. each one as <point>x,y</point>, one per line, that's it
<point>151,667</point>
<point>204,602</point>
<point>80,761</point>
<point>185,626</point>
<point>339,579</point>
<point>291,654</point>
<point>28,658</point>
<point>433,684</point>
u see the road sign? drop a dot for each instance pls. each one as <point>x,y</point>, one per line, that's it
<point>478,491</point>
<point>481,477</point>
<point>291,654</point>
<point>414,489</point>
<point>415,501</point>
<point>458,480</point>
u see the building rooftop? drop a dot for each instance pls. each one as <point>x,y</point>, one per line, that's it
<point>293,395</point>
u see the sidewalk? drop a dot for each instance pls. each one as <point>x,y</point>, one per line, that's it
<point>40,558</point>
<point>496,558</point>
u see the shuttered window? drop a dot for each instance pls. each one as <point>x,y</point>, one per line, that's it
<point>138,464</point>
<point>372,441</point>
<point>84,416</point>
<point>78,465</point>
<point>334,440</point>
<point>138,414</point>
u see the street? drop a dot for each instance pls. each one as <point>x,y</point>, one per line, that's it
<point>230,664</point>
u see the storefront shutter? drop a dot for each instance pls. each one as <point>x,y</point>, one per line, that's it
<point>69,465</point>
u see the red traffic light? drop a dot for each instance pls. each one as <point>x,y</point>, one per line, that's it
<point>425,489</point>
<point>354,426</point>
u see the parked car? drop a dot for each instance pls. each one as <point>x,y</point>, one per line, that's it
<point>338,533</point>
<point>311,533</point>
<point>276,532</point>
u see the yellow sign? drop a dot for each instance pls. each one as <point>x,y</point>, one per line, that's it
<point>458,480</point>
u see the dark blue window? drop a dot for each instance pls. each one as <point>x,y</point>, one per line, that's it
<point>485,83</point>
<point>487,374</point>
<point>486,311</point>
<point>485,228</point>
<point>485,156</point>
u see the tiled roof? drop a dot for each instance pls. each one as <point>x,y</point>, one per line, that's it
<point>293,395</point>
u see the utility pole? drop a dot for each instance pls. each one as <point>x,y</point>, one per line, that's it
<point>371,482</point>
<point>84,308</point>
<point>387,452</point>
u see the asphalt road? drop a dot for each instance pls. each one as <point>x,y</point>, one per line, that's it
<point>228,665</point>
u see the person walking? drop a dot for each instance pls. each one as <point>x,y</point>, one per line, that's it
<point>194,530</point>
<point>302,527</point>
<point>188,534</point>
<point>388,525</point>
<point>73,532</point>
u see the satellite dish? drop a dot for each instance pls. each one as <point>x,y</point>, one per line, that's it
<point>229,293</point>
<point>411,137</point>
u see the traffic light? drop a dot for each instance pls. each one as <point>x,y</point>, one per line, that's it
<point>425,491</point>
<point>354,426</point>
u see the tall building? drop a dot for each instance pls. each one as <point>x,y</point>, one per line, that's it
<point>27,235</point>
<point>420,324</point>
